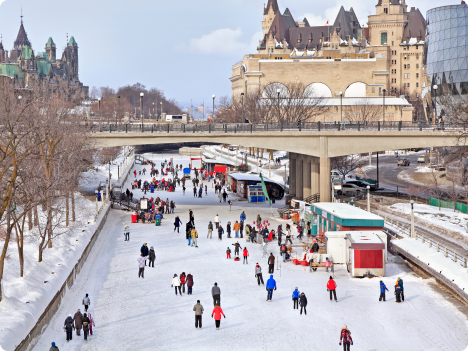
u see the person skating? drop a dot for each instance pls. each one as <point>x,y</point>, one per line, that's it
<point>220,195</point>
<point>78,318</point>
<point>225,195</point>
<point>243,217</point>
<point>183,281</point>
<point>400,283</point>
<point>194,237</point>
<point>258,274</point>
<point>53,347</point>
<point>85,326</point>
<point>144,250</point>
<point>91,324</point>
<point>397,292</point>
<point>216,221</point>
<point>288,235</point>
<point>198,308</point>
<point>220,232</point>
<point>331,287</point>
<point>217,312</point>
<point>126,232</point>
<point>245,253</point>
<point>176,284</point>
<point>303,303</point>
<point>382,291</point>
<point>284,251</point>
<point>216,294</point>
<point>241,229</point>
<point>295,297</point>
<point>189,283</point>
<point>86,302</point>
<point>345,338</point>
<point>151,257</point>
<point>228,253</point>
<point>194,191</point>
<point>210,230</point>
<point>280,234</point>
<point>177,224</point>
<point>271,263</point>
<point>141,266</point>
<point>315,247</point>
<point>69,325</point>
<point>188,231</point>
<point>228,229</point>
<point>270,286</point>
<point>236,228</point>
<point>236,248</point>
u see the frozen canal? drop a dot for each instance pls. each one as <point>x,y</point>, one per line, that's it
<point>145,314</point>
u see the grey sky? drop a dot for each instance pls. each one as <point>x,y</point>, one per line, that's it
<point>184,47</point>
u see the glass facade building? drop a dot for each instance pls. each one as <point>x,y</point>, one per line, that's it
<point>446,49</point>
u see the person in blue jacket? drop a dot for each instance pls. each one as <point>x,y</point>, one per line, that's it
<point>295,296</point>
<point>243,216</point>
<point>382,291</point>
<point>144,250</point>
<point>271,284</point>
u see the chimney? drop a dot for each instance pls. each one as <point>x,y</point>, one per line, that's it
<point>413,9</point>
<point>463,2</point>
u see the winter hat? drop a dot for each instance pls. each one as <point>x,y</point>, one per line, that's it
<point>331,277</point>
<point>345,327</point>
<point>175,275</point>
<point>53,343</point>
<point>69,315</point>
<point>297,288</point>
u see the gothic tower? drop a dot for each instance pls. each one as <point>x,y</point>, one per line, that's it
<point>269,13</point>
<point>50,49</point>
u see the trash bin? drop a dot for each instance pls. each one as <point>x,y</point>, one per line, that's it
<point>152,189</point>
<point>134,218</point>
<point>158,222</point>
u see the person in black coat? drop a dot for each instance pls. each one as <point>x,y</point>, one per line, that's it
<point>85,326</point>
<point>315,247</point>
<point>144,251</point>
<point>303,302</point>
<point>69,326</point>
<point>220,232</point>
<point>177,223</point>
<point>152,257</point>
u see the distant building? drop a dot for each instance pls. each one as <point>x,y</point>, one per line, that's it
<point>27,67</point>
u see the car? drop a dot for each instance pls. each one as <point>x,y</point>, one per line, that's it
<point>363,185</point>
<point>403,162</point>
<point>349,189</point>
<point>422,159</point>
<point>336,174</point>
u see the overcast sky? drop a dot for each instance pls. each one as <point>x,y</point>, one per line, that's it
<point>184,47</point>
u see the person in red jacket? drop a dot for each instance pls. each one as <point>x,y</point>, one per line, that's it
<point>182,282</point>
<point>345,337</point>
<point>246,253</point>
<point>331,287</point>
<point>217,312</point>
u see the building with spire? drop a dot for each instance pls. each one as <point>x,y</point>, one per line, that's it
<point>27,67</point>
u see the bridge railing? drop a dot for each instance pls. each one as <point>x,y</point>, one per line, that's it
<point>273,127</point>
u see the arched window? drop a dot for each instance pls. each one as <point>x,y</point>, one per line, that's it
<point>383,38</point>
<point>271,91</point>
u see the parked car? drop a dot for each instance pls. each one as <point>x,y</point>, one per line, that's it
<point>423,159</point>
<point>336,174</point>
<point>403,162</point>
<point>349,190</point>
<point>363,185</point>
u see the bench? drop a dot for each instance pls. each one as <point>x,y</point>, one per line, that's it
<point>315,265</point>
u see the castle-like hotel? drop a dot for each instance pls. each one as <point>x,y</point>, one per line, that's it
<point>26,67</point>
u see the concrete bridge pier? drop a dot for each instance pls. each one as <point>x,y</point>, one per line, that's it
<point>304,175</point>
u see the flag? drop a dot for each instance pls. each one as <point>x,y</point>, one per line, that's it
<point>265,189</point>
<point>325,25</point>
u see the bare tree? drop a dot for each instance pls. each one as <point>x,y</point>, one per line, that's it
<point>365,112</point>
<point>346,164</point>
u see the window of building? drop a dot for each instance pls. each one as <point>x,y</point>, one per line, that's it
<point>417,86</point>
<point>380,91</point>
<point>417,56</point>
<point>404,47</point>
<point>392,43</point>
<point>408,66</point>
<point>404,75</point>
<point>373,89</point>
<point>417,65</point>
<point>417,75</point>
<point>405,57</point>
<point>404,85</point>
<point>407,85</point>
<point>385,10</point>
<point>346,57</point>
<point>383,38</point>
<point>328,57</point>
<point>417,95</point>
<point>416,47</point>
<point>404,66</point>
<point>359,57</point>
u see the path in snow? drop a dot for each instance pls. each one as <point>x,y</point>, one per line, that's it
<point>145,314</point>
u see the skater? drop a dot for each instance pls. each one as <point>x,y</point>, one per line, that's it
<point>225,195</point>
<point>220,232</point>
<point>69,326</point>
<point>216,221</point>
<point>216,294</point>
<point>176,284</point>
<point>144,251</point>
<point>230,204</point>
<point>198,308</point>
<point>271,263</point>
<point>217,312</point>
<point>327,264</point>
<point>189,283</point>
<point>288,236</point>
<point>183,189</point>
<point>382,291</point>
<point>86,302</point>
<point>210,230</point>
<point>194,191</point>
<point>126,232</point>
<point>241,229</point>
<point>228,229</point>
<point>345,337</point>
<point>236,228</point>
<point>177,224</point>
<point>271,284</point>
<point>331,286</point>
<point>206,190</point>
<point>236,248</point>
<point>228,252</point>
<point>315,247</point>
<point>284,251</point>
<point>303,303</point>
<point>53,347</point>
<point>400,283</point>
<point>151,257</point>
<point>194,237</point>
<point>258,274</point>
<point>220,196</point>
<point>397,292</point>
<point>243,217</point>
<point>78,317</point>
<point>295,298</point>
<point>246,253</point>
<point>280,235</point>
<point>182,282</point>
<point>141,264</point>
<point>85,326</point>
<point>91,324</point>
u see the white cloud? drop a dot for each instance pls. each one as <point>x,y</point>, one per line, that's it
<point>225,41</point>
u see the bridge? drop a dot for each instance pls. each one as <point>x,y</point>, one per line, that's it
<point>311,145</point>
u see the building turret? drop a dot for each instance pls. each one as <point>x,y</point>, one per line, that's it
<point>51,50</point>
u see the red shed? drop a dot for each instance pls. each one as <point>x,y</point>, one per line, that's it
<point>366,254</point>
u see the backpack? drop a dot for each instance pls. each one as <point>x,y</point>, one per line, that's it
<point>210,226</point>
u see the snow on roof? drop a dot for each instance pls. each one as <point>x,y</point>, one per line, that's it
<point>278,44</point>
<point>365,237</point>
<point>413,41</point>
<point>219,160</point>
<point>298,53</point>
<point>343,42</point>
<point>250,177</point>
<point>310,53</point>
<point>354,41</point>
<point>345,211</point>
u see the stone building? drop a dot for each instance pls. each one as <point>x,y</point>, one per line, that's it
<point>343,60</point>
<point>27,67</point>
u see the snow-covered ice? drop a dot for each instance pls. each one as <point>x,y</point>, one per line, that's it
<point>145,314</point>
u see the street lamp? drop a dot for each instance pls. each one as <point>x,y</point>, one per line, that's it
<point>99,109</point>
<point>161,108</point>
<point>384,91</point>
<point>213,106</point>
<point>242,95</point>
<point>435,105</point>
<point>413,234</point>
<point>278,91</point>
<point>141,109</point>
<point>153,111</point>
<point>368,198</point>
<point>341,104</point>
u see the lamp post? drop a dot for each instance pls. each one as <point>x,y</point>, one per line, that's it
<point>242,96</point>
<point>141,109</point>
<point>213,106</point>
<point>413,234</point>
<point>96,192</point>
<point>161,108</point>
<point>368,198</point>
<point>384,91</point>
<point>153,111</point>
<point>99,109</point>
<point>435,103</point>
<point>341,104</point>
<point>118,99</point>
<point>278,91</point>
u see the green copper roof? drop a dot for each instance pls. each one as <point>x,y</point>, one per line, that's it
<point>10,70</point>
<point>43,67</point>
<point>42,55</point>
<point>50,42</point>
<point>27,52</point>
<point>72,42</point>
